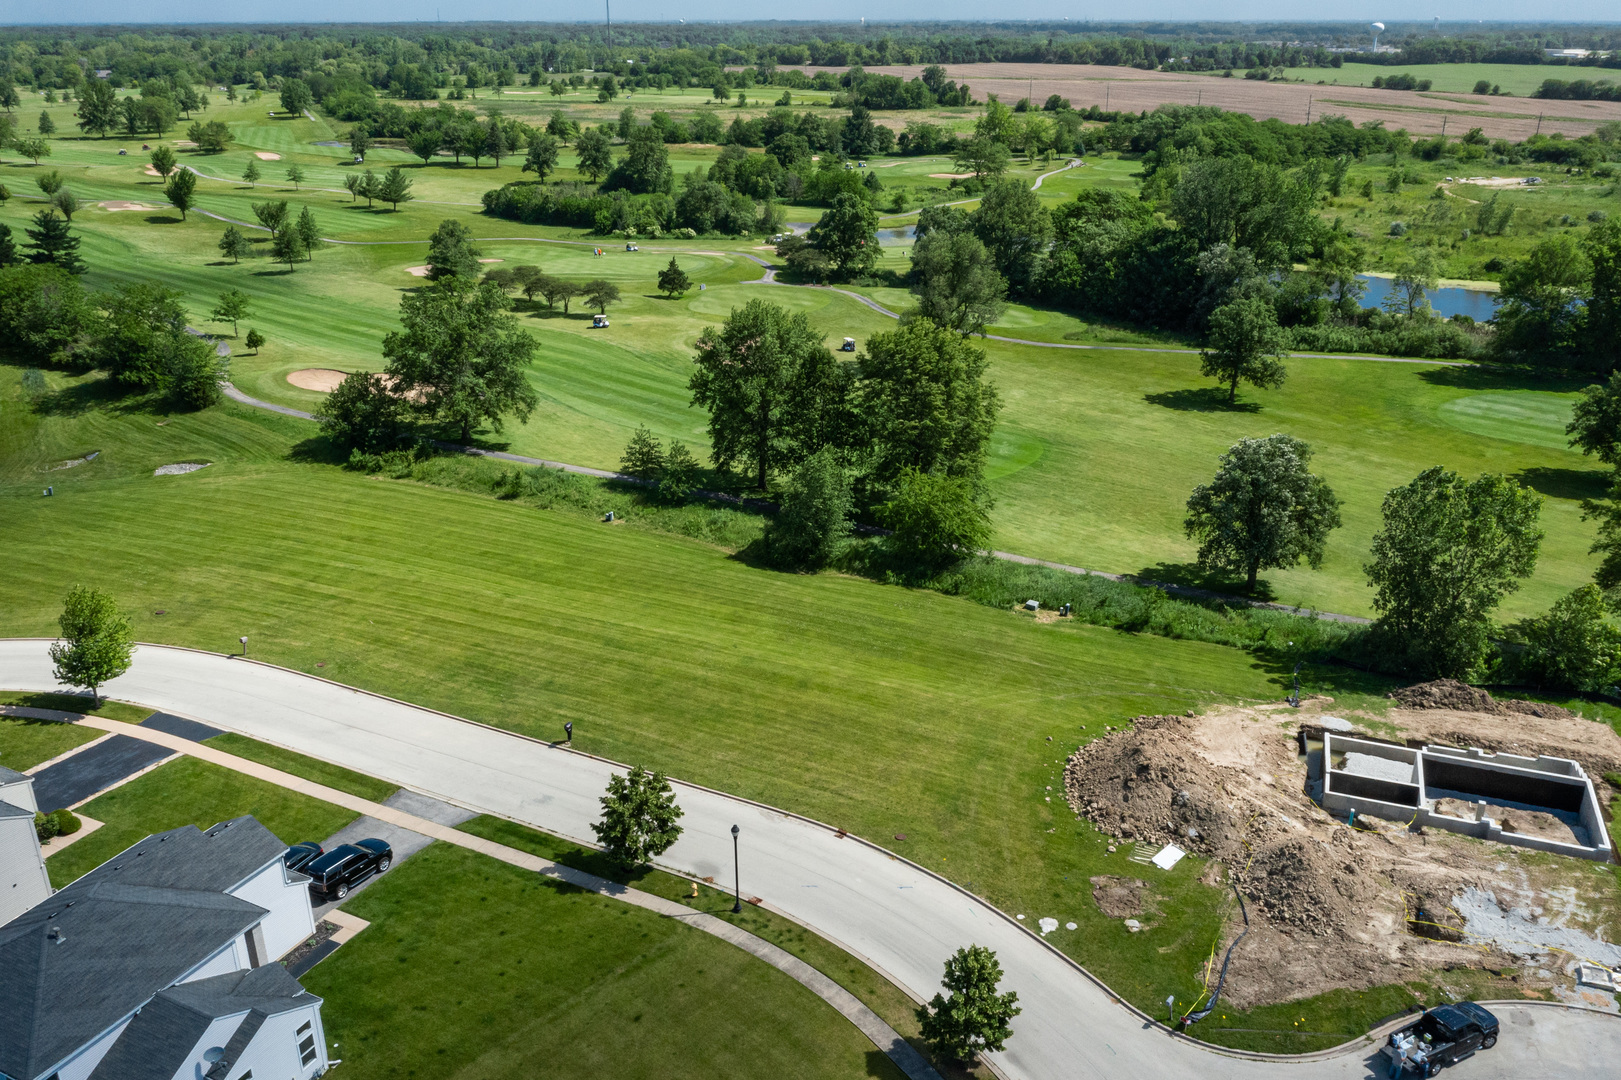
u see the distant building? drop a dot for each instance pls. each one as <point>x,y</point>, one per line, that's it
<point>23,881</point>
<point>104,73</point>
<point>1568,54</point>
<point>161,963</point>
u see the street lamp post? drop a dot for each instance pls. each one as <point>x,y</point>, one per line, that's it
<point>737,875</point>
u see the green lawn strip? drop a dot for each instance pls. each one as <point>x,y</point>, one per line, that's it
<point>26,743</point>
<point>73,703</point>
<point>880,995</point>
<point>313,769</point>
<point>482,970</point>
<point>190,792</point>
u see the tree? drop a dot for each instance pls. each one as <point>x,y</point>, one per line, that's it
<point>495,141</point>
<point>957,283</point>
<point>627,122</point>
<point>1573,646</point>
<point>680,475</point>
<point>395,187</point>
<point>50,183</point>
<point>451,252</point>
<point>97,641</point>
<point>425,143</point>
<point>1540,316</point>
<point>555,289</point>
<point>1603,250</point>
<point>287,246</point>
<point>1015,229</point>
<point>975,1018</point>
<point>986,158</point>
<point>272,215</point>
<point>645,167</point>
<point>8,95</point>
<point>1246,345</point>
<point>595,153</point>
<point>362,413</point>
<point>558,127</point>
<point>51,242</point>
<point>774,392</point>
<point>1263,510</point>
<point>295,96</point>
<point>211,137</point>
<point>814,519</point>
<point>140,321</point>
<point>600,293</point>
<point>1239,201</point>
<point>673,281</point>
<point>254,341</point>
<point>309,234</point>
<point>1413,282</point>
<point>8,248</point>
<point>368,187</point>
<point>43,309</point>
<point>924,403</point>
<point>46,125</point>
<point>527,279</point>
<point>33,149</point>
<point>65,202</point>
<point>192,371</point>
<point>848,234</point>
<point>1595,425</point>
<point>295,173</point>
<point>232,306</point>
<point>182,191</point>
<point>542,158</point>
<point>251,173</point>
<point>643,456</point>
<point>234,245</point>
<point>351,184</point>
<point>639,817</point>
<point>1450,550</point>
<point>935,520</point>
<point>98,108</point>
<point>359,141</point>
<point>463,356</point>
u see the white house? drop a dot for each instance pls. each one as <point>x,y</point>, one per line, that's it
<point>160,965</point>
<point>23,881</point>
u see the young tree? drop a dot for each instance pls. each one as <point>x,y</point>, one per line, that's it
<point>295,173</point>
<point>363,414</point>
<point>643,457</point>
<point>272,215</point>
<point>287,247</point>
<point>369,187</point>
<point>51,242</point>
<point>814,520</point>
<point>1247,345</point>
<point>542,157</point>
<point>359,141</point>
<point>936,520</point>
<point>309,234</point>
<point>639,817</point>
<point>33,149</point>
<point>680,475</point>
<point>1450,550</point>
<point>65,202</point>
<point>957,283</point>
<point>163,161</point>
<point>1573,646</point>
<point>351,184</point>
<point>232,306</point>
<point>46,125</point>
<point>50,183</point>
<point>97,641</point>
<point>234,245</point>
<point>673,281</point>
<point>395,188</point>
<point>8,248</point>
<point>924,403</point>
<point>254,341</point>
<point>182,191</point>
<point>98,108</point>
<point>251,173</point>
<point>595,153</point>
<point>975,1018</point>
<point>600,293</point>
<point>451,252</point>
<point>463,355</point>
<point>774,392</point>
<point>1263,510</point>
<point>848,234</point>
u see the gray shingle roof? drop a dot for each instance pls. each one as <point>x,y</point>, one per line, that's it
<point>7,810</point>
<point>11,776</point>
<point>127,930</point>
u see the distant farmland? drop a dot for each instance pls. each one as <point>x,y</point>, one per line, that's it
<point>1420,113</point>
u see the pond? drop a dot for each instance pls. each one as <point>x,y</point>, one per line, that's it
<point>1447,302</point>
<point>892,237</point>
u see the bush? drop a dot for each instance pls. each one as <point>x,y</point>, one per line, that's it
<point>362,415</point>
<point>62,822</point>
<point>1572,647</point>
<point>937,520</point>
<point>814,520</point>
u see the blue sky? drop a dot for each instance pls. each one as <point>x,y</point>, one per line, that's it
<point>182,11</point>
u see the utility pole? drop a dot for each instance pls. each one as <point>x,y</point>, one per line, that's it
<point>1539,125</point>
<point>1443,126</point>
<point>1308,109</point>
<point>607,6</point>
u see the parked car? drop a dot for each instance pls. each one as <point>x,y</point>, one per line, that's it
<point>301,855</point>
<point>1440,1037</point>
<point>333,874</point>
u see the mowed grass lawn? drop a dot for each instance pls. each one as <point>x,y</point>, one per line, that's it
<point>26,743</point>
<point>476,970</point>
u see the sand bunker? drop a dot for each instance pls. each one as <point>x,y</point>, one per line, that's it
<point>321,380</point>
<point>116,206</point>
<point>179,468</point>
<point>266,155</point>
<point>150,171</point>
<point>951,175</point>
<point>1498,181</point>
<point>418,271</point>
<point>491,260</point>
<point>1330,906</point>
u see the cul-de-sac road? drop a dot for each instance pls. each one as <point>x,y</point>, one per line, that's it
<point>899,918</point>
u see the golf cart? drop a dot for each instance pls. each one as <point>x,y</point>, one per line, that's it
<point>849,345</point>
<point>632,247</point>
<point>599,322</point>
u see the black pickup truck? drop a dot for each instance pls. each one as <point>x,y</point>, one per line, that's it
<point>1439,1037</point>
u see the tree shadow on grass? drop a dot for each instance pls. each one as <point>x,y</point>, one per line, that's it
<point>162,219</point>
<point>1203,399</point>
<point>1503,377</point>
<point>318,450</point>
<point>91,395</point>
<point>1572,484</point>
<point>1190,575</point>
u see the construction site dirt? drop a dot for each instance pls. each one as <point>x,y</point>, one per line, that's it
<point>1336,905</point>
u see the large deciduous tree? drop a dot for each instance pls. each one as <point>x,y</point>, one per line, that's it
<point>1263,510</point>
<point>1015,228</point>
<point>1448,553</point>
<point>451,252</point>
<point>97,641</point>
<point>542,157</point>
<point>461,356</point>
<point>774,391</point>
<point>975,1018</point>
<point>1246,345</point>
<point>98,108</point>
<point>956,282</point>
<point>595,152</point>
<point>814,519</point>
<point>848,234</point>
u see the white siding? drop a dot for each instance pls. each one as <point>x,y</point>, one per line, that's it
<point>20,793</point>
<point>273,1053</point>
<point>85,1060</point>
<point>291,919</point>
<point>23,881</point>
<point>233,956</point>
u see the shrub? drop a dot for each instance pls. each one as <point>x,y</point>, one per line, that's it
<point>46,826</point>
<point>814,520</point>
<point>362,415</point>
<point>936,520</point>
<point>1572,647</point>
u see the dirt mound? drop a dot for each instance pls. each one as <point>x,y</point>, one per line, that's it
<point>1537,708</point>
<point>1118,897</point>
<point>1461,697</point>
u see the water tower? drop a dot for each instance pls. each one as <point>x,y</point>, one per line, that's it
<point>1378,28</point>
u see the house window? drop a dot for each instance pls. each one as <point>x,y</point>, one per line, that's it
<point>306,1050</point>
<point>305,1028</point>
<point>246,1076</point>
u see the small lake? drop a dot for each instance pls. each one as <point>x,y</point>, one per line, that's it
<point>1447,302</point>
<point>892,237</point>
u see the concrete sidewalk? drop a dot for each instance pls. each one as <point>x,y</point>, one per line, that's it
<point>883,1036</point>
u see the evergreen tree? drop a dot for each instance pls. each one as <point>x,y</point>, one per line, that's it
<point>395,187</point>
<point>673,281</point>
<point>308,233</point>
<point>51,242</point>
<point>47,126</point>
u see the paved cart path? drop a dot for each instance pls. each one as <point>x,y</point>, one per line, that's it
<point>896,916</point>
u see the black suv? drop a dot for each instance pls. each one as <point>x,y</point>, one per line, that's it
<point>341,869</point>
<point>301,855</point>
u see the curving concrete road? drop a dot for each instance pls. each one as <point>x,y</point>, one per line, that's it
<point>898,917</point>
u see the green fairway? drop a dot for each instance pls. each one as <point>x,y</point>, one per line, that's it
<point>495,973</point>
<point>190,792</point>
